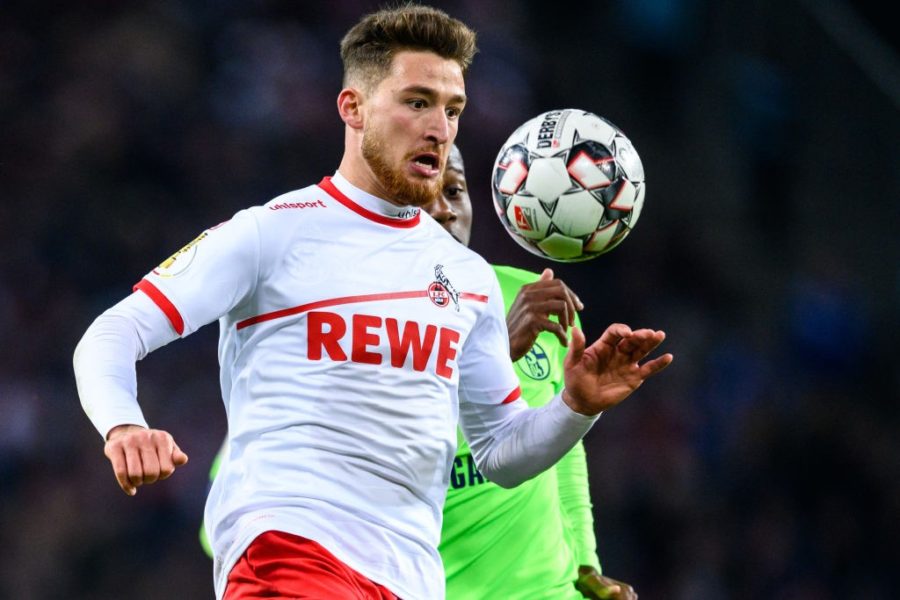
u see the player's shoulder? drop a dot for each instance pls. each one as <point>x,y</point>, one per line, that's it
<point>287,211</point>
<point>303,201</point>
<point>508,275</point>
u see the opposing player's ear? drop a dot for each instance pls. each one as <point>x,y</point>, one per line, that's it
<point>349,103</point>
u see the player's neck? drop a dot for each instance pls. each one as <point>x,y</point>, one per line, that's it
<point>358,174</point>
<point>372,202</point>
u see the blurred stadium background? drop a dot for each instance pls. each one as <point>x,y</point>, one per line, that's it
<point>764,464</point>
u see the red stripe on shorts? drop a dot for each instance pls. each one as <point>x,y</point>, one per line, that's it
<point>282,565</point>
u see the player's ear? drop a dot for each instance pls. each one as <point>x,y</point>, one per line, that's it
<point>349,103</point>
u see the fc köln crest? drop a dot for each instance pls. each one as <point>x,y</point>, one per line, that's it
<point>441,291</point>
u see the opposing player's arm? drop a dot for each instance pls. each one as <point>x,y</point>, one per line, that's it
<point>574,490</point>
<point>530,313</point>
<point>575,500</point>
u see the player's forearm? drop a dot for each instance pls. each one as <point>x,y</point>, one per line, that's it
<point>104,361</point>
<point>511,449</point>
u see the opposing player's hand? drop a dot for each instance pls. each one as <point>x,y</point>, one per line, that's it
<point>530,313</point>
<point>602,375</point>
<point>593,585</point>
<point>140,455</point>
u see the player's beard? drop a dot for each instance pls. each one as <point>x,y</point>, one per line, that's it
<point>399,187</point>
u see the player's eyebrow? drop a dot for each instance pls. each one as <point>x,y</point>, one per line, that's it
<point>431,93</point>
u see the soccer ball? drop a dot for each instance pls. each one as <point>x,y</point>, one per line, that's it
<point>568,185</point>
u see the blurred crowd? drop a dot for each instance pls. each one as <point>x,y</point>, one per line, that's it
<point>765,463</point>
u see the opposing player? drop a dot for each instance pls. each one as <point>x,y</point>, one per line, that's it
<point>354,334</point>
<point>535,540</point>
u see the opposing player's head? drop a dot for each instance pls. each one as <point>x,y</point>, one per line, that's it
<point>404,91</point>
<point>453,207</point>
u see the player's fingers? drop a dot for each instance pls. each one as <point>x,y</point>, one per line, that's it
<point>179,457</point>
<point>546,275</point>
<point>149,465</point>
<point>576,348</point>
<point>116,456</point>
<point>570,308</point>
<point>626,592</point>
<point>641,342</point>
<point>614,334</point>
<point>556,329</point>
<point>166,464</point>
<point>170,457</point>
<point>573,297</point>
<point>654,366</point>
<point>564,311</point>
<point>609,591</point>
<point>135,469</point>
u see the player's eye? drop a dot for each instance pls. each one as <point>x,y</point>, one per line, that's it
<point>453,192</point>
<point>417,103</point>
<point>453,112</point>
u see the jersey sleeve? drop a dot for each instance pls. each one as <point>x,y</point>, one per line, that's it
<point>104,360</point>
<point>208,277</point>
<point>511,443</point>
<point>486,373</point>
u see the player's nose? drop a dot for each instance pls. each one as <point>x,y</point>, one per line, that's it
<point>439,128</point>
<point>441,211</point>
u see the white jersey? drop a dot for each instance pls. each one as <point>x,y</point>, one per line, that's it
<point>349,328</point>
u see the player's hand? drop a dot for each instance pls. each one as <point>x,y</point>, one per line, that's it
<point>530,313</point>
<point>593,585</point>
<point>602,375</point>
<point>140,455</point>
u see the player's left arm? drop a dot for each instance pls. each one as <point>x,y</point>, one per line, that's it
<point>510,442</point>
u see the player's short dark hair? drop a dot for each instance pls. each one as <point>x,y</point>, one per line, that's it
<point>369,47</point>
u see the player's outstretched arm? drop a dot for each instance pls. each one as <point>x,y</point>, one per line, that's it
<point>140,455</point>
<point>595,586</point>
<point>530,313</point>
<point>609,370</point>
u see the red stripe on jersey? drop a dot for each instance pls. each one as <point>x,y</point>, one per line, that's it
<point>296,310</point>
<point>471,296</point>
<point>163,303</point>
<point>287,312</point>
<point>513,396</point>
<point>335,193</point>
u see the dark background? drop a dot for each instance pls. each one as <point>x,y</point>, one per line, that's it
<point>765,463</point>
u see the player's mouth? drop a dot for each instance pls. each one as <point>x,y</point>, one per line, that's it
<point>426,164</point>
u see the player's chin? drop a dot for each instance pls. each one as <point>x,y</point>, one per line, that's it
<point>419,192</point>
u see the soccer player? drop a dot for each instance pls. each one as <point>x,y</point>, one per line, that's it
<point>540,534</point>
<point>354,335</point>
